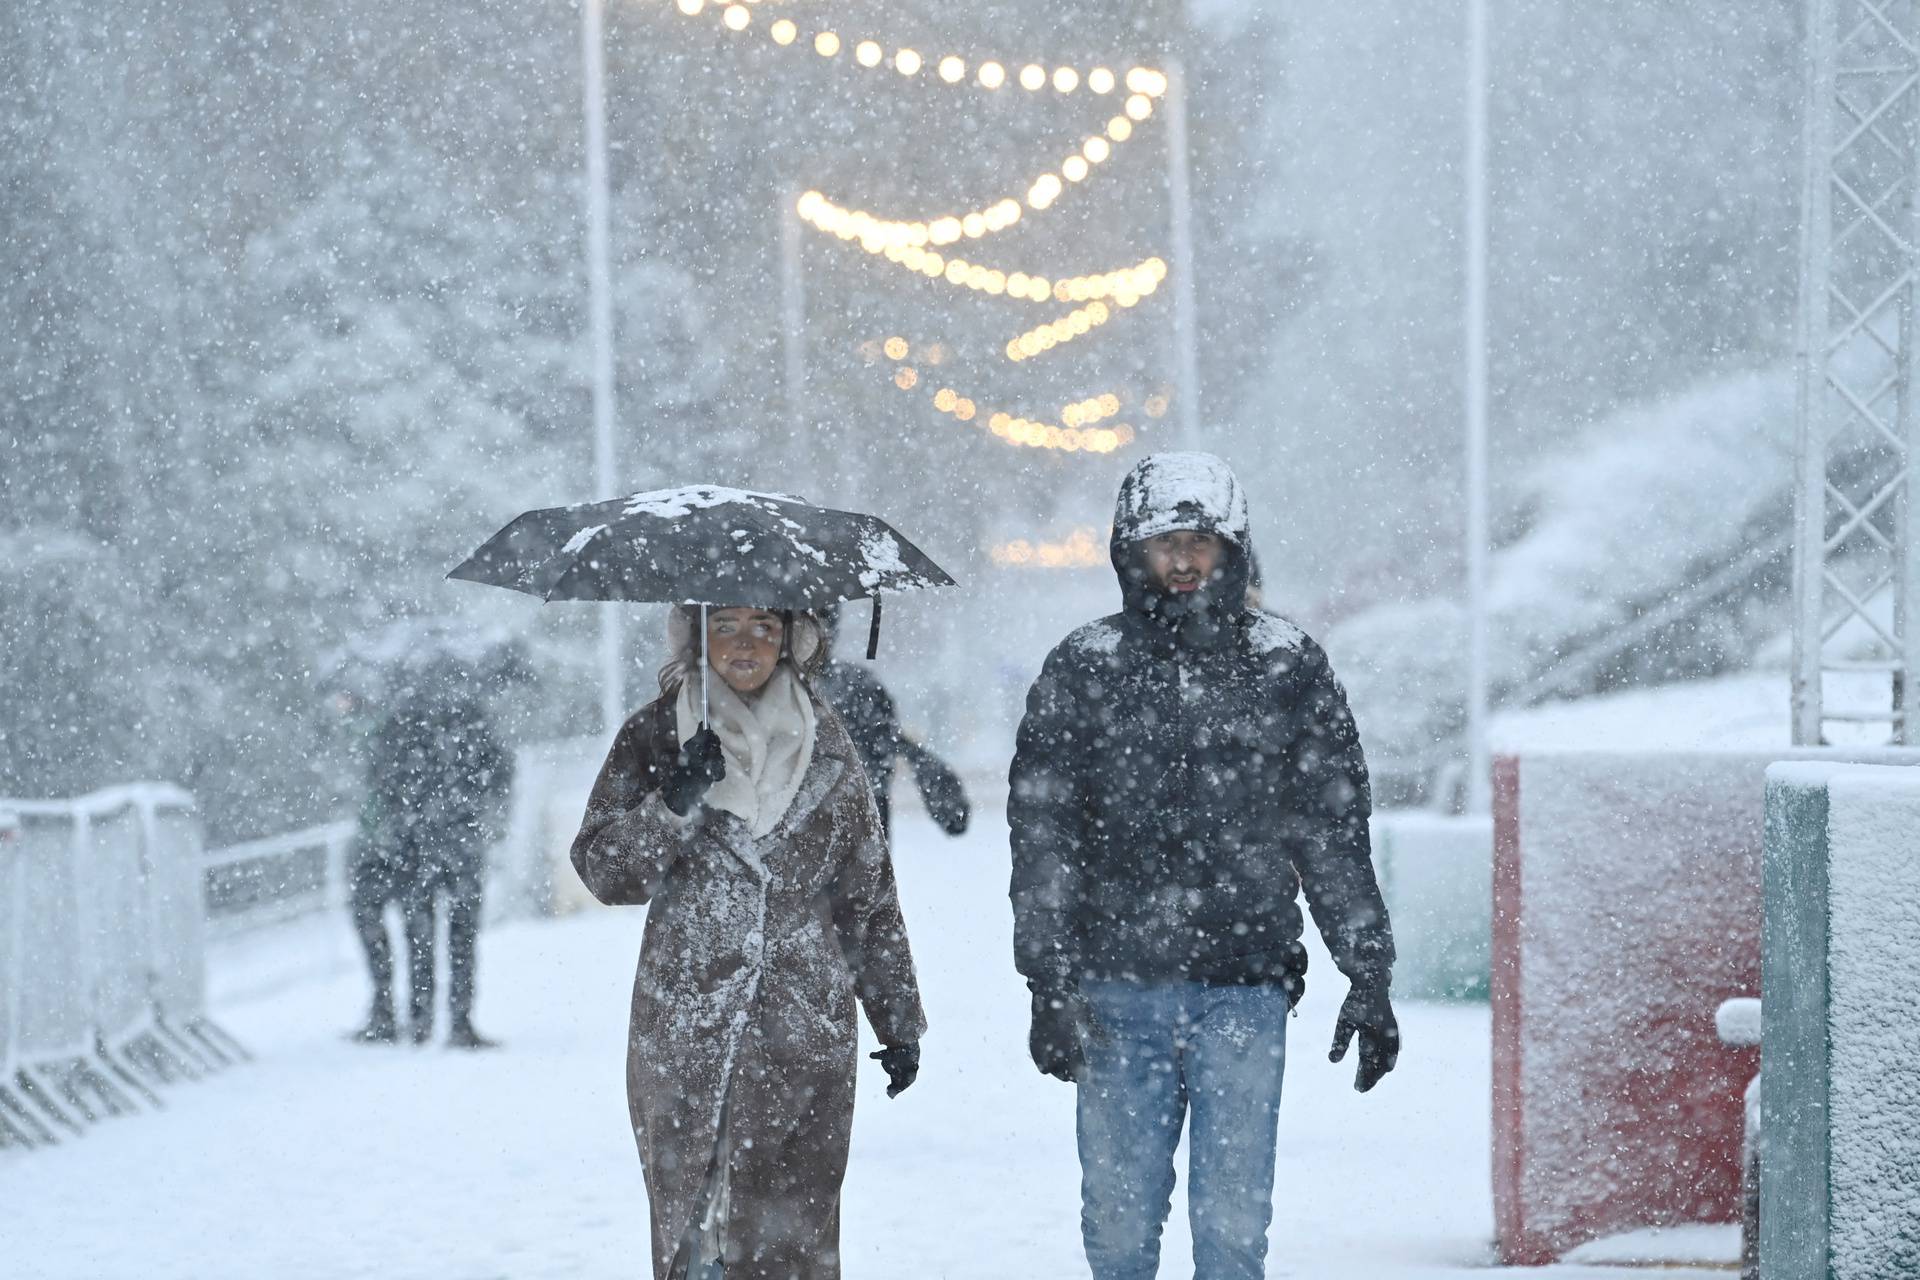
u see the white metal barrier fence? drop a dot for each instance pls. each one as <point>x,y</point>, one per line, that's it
<point>102,958</point>
<point>270,881</point>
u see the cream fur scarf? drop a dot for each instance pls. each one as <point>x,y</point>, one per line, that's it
<point>768,743</point>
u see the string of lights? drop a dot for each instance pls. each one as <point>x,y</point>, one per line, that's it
<point>915,244</point>
<point>1084,548</point>
<point>876,232</point>
<point>1121,283</point>
<point>989,74</point>
<point>1013,428</point>
<point>1093,409</point>
<point>1084,320</point>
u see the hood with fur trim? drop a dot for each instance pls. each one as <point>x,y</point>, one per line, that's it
<point>806,646</point>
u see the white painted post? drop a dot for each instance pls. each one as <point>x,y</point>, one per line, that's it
<point>600,322</point>
<point>1479,763</point>
<point>793,337</point>
<point>1180,198</point>
<point>1810,339</point>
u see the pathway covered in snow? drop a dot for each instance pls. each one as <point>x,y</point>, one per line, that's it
<point>329,1161</point>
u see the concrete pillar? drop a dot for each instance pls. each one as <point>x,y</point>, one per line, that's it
<point>1840,1054</point>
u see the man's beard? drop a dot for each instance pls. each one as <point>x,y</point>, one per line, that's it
<point>1192,619</point>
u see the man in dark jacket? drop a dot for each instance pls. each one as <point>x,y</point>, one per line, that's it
<point>868,711</point>
<point>1185,767</point>
<point>437,782</point>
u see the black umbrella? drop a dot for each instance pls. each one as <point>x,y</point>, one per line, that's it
<point>705,545</point>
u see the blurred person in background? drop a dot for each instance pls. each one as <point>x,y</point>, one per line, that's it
<point>437,784</point>
<point>873,721</point>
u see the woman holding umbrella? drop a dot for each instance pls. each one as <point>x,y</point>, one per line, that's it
<point>755,837</point>
<point>736,805</point>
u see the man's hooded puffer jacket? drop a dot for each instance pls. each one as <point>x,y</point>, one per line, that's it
<point>1184,768</point>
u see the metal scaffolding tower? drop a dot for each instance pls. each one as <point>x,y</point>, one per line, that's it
<point>1856,577</point>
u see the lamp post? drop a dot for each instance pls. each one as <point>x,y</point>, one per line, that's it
<point>1180,200</point>
<point>1479,763</point>
<point>600,324</point>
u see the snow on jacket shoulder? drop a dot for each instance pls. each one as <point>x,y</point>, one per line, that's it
<point>1167,806</point>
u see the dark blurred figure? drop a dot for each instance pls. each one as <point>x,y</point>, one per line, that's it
<point>437,782</point>
<point>867,709</point>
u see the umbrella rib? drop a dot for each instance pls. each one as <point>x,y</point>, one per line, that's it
<point>597,534</point>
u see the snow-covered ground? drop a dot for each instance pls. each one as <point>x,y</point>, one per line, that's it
<point>335,1162</point>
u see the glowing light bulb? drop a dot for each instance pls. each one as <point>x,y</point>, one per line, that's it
<point>1096,150</point>
<point>1139,106</point>
<point>867,53</point>
<point>826,44</point>
<point>895,348</point>
<point>946,399</point>
<point>906,379</point>
<point>784,32</point>
<point>692,7</point>
<point>1066,80</point>
<point>1146,80</point>
<point>992,75</point>
<point>907,62</point>
<point>1032,77</point>
<point>1074,169</point>
<point>1119,128</point>
<point>1100,80</point>
<point>952,69</point>
<point>973,226</point>
<point>737,17</point>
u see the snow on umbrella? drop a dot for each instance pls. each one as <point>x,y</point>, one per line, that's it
<point>705,545</point>
<point>702,544</point>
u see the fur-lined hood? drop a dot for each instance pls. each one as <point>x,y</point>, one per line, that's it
<point>806,645</point>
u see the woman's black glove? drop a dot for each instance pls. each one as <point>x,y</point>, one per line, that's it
<point>901,1062</point>
<point>1063,1022</point>
<point>1368,1011</point>
<point>940,789</point>
<point>700,765</point>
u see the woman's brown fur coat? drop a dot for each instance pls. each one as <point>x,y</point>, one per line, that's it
<point>755,951</point>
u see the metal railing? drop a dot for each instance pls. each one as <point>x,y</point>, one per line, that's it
<point>277,879</point>
<point>102,959</point>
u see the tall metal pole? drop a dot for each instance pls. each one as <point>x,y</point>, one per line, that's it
<point>793,337</point>
<point>1180,197</point>
<point>1810,338</point>
<point>1479,764</point>
<point>600,322</point>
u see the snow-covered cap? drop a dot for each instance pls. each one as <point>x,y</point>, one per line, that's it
<point>1168,491</point>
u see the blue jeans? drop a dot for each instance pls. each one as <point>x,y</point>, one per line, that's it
<point>1160,1051</point>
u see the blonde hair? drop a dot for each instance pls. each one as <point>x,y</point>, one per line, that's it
<point>803,647</point>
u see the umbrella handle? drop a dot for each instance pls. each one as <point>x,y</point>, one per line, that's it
<point>873,630</point>
<point>704,677</point>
